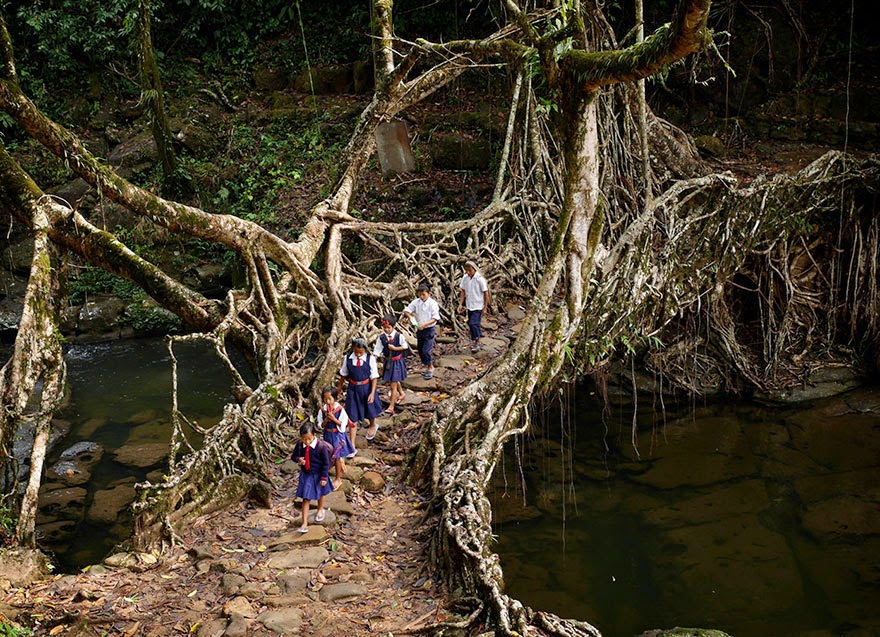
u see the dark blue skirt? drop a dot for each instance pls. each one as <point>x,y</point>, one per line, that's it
<point>394,370</point>
<point>309,487</point>
<point>340,442</point>
<point>356,405</point>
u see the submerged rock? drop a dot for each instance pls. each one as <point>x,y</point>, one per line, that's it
<point>108,504</point>
<point>141,455</point>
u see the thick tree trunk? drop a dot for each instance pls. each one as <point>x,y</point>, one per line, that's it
<point>152,93</point>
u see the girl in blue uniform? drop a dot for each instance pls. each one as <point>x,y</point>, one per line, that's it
<point>392,345</point>
<point>333,420</point>
<point>361,400</point>
<point>313,457</point>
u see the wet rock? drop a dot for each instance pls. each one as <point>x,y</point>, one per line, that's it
<point>65,503</point>
<point>100,315</point>
<point>839,444</point>
<point>748,568</point>
<point>345,590</point>
<point>20,567</point>
<point>845,516</point>
<point>372,482</point>
<point>695,453</point>
<point>107,504</point>
<point>141,455</point>
<point>825,382</point>
<point>294,582</point>
<point>723,502</point>
<point>311,557</point>
<point>230,584</point>
<point>74,467</point>
<point>212,628</point>
<point>55,533</point>
<point>237,626</point>
<point>144,416</point>
<point>286,621</point>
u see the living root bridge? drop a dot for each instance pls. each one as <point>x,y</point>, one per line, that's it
<point>680,258</point>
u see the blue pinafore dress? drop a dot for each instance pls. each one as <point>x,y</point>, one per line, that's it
<point>394,368</point>
<point>359,382</point>
<point>337,439</point>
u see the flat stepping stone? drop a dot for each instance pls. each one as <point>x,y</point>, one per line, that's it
<point>412,399</point>
<point>286,621</point>
<point>494,342</point>
<point>311,557</point>
<point>294,582</point>
<point>489,324</point>
<point>337,502</point>
<point>456,361</point>
<point>345,590</point>
<point>316,535</point>
<point>329,516</point>
<point>448,340</point>
<point>418,383</point>
<point>361,460</point>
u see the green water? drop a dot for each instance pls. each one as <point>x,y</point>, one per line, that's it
<point>120,394</point>
<point>757,521</point>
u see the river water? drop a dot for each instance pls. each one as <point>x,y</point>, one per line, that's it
<point>754,520</point>
<point>120,398</point>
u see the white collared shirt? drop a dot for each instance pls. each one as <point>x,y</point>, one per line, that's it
<point>474,288</point>
<point>374,370</point>
<point>424,311</point>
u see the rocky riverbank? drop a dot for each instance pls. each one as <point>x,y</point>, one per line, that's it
<point>246,571</point>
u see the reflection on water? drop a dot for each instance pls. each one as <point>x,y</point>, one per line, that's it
<point>120,399</point>
<point>753,520</point>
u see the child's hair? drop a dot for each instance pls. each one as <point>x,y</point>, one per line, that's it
<point>359,341</point>
<point>306,428</point>
<point>390,319</point>
<point>424,287</point>
<point>330,389</point>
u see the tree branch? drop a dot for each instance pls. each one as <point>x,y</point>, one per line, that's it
<point>687,33</point>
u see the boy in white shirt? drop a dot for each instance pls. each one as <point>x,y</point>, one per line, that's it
<point>424,313</point>
<point>473,295</point>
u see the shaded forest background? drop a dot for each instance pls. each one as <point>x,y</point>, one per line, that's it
<point>262,98</point>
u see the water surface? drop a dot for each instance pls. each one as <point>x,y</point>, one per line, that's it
<point>754,520</point>
<point>120,395</point>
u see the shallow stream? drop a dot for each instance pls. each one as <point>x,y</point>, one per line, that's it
<point>754,520</point>
<point>120,400</point>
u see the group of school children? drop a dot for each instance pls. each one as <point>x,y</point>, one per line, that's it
<point>362,403</point>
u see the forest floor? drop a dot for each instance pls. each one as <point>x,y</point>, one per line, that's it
<point>248,571</point>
